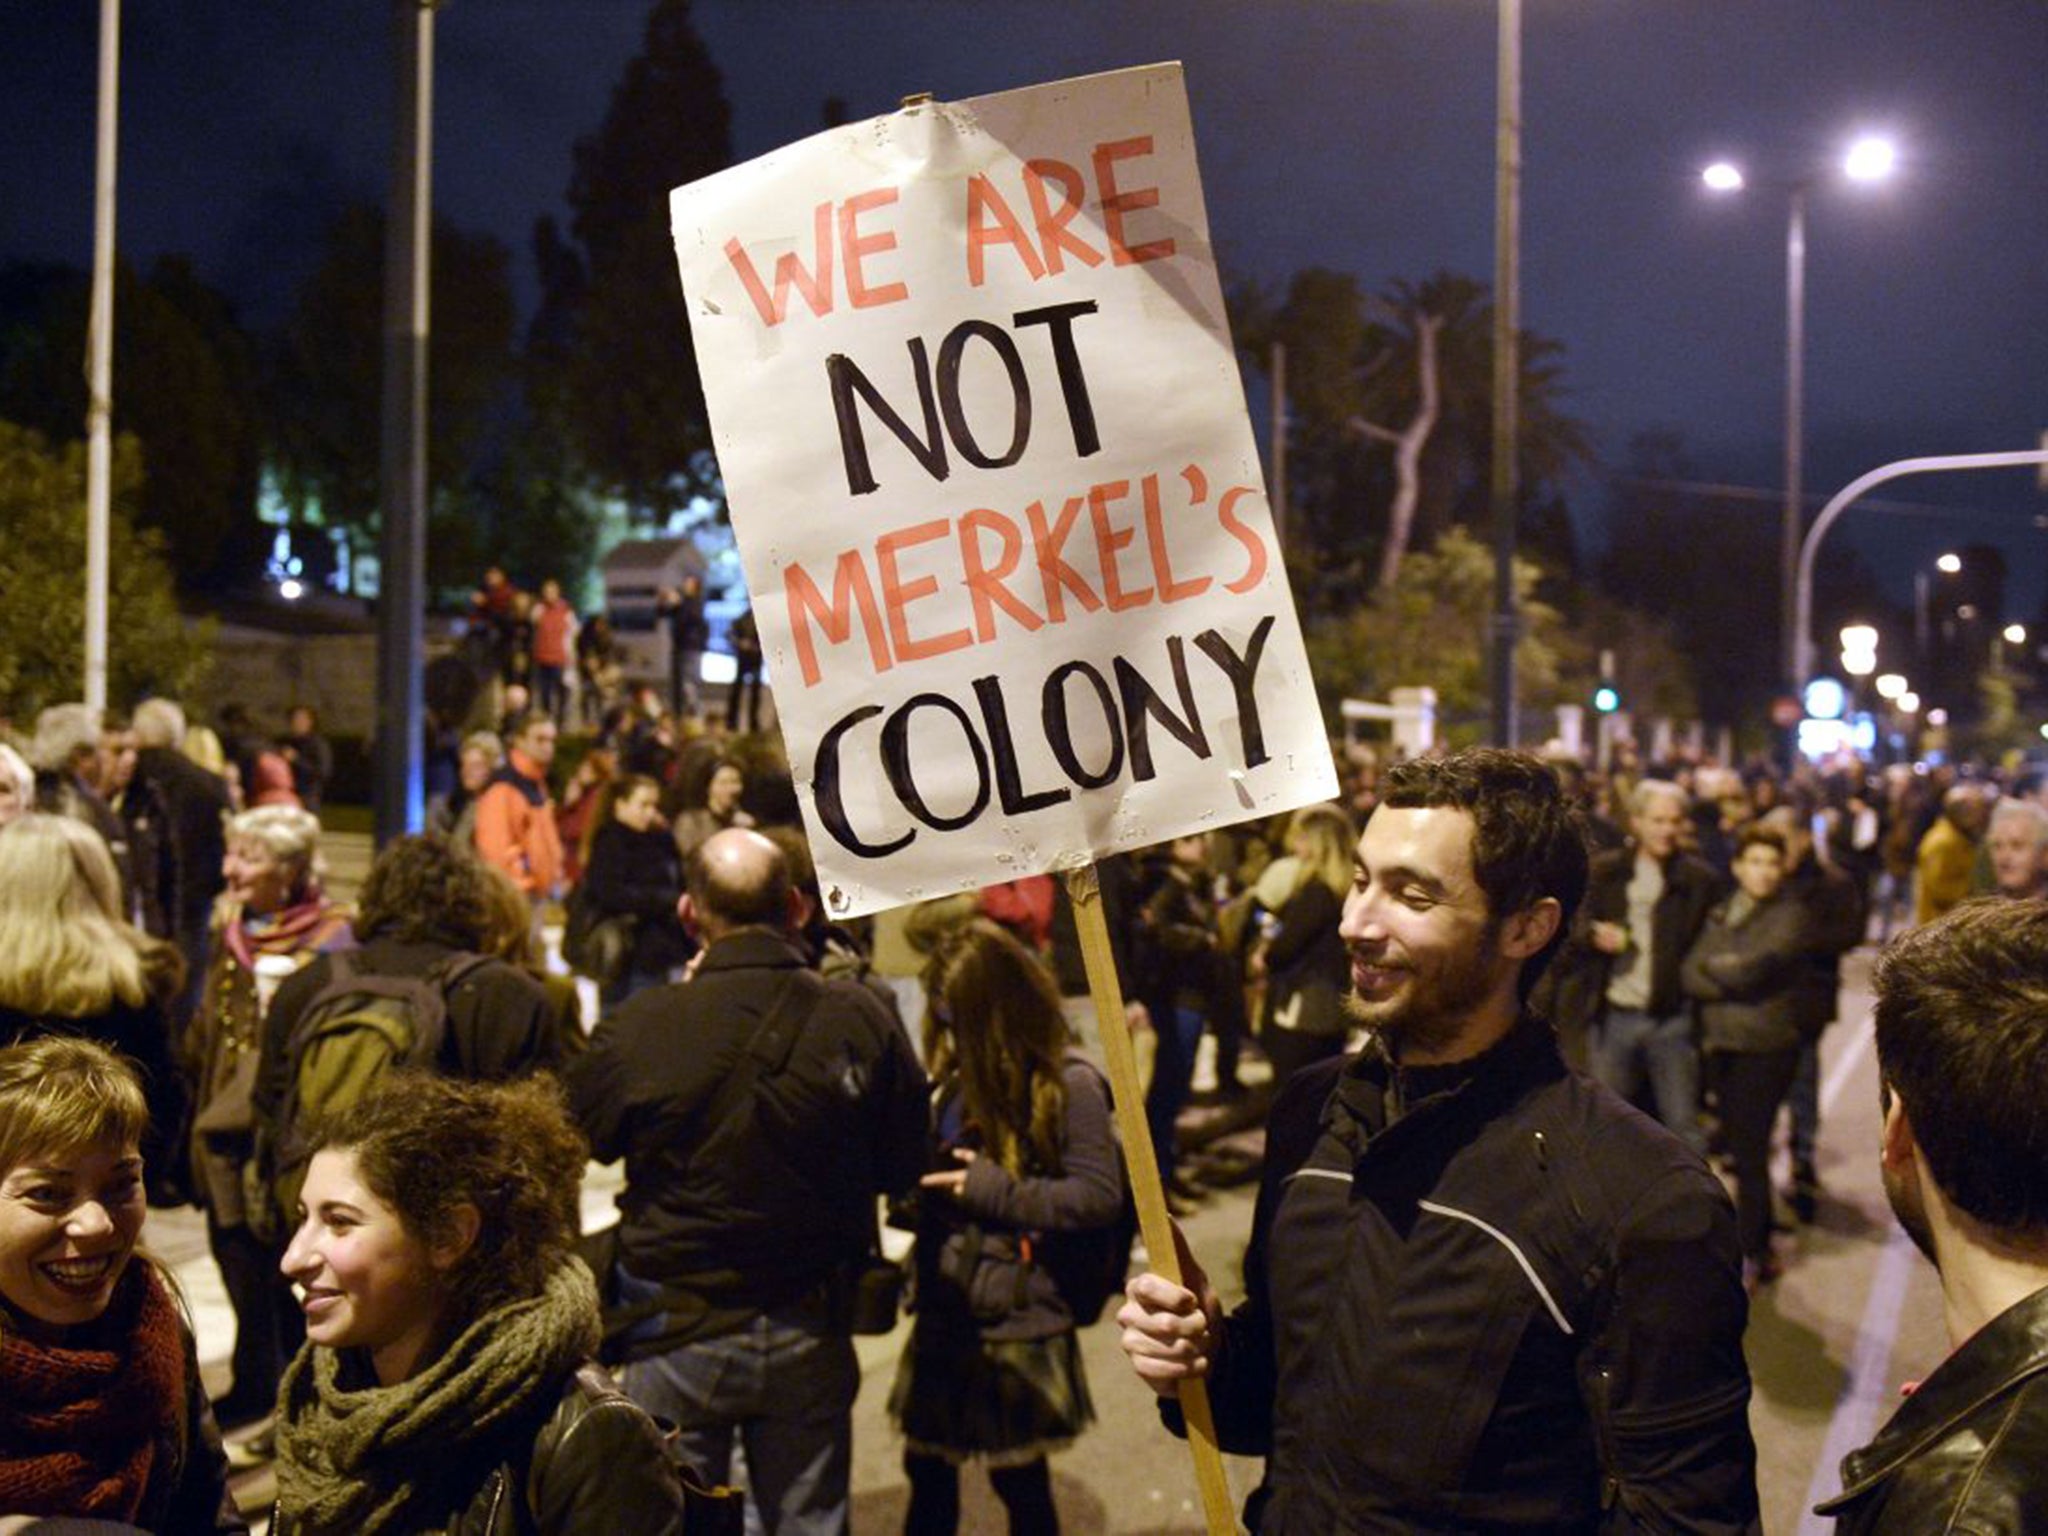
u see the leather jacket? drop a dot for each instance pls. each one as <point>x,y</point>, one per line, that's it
<point>597,1467</point>
<point>1968,1451</point>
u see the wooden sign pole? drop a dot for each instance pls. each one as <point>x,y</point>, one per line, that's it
<point>1150,1195</point>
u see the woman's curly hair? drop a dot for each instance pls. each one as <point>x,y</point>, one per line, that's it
<point>428,1145</point>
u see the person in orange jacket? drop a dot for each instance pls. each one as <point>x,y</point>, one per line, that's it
<point>515,819</point>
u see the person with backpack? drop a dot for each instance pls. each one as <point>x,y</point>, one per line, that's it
<point>761,1109</point>
<point>1011,1226</point>
<point>418,993</point>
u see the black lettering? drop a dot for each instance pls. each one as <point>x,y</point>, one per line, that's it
<point>1059,322</point>
<point>1059,727</point>
<point>1142,704</point>
<point>949,392</point>
<point>848,381</point>
<point>831,802</point>
<point>1241,672</point>
<point>896,761</point>
<point>1010,793</point>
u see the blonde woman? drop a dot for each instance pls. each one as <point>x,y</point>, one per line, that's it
<point>71,964</point>
<point>273,919</point>
<point>17,784</point>
<point>101,1413</point>
<point>1301,957</point>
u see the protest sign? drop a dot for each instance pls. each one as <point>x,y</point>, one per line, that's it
<point>995,491</point>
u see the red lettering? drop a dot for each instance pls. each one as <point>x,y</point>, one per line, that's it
<point>1116,203</point>
<point>1053,571</point>
<point>1170,591</point>
<point>898,594</point>
<point>1254,546</point>
<point>815,286</point>
<point>985,203</point>
<point>849,587</point>
<point>985,581</point>
<point>1052,222</point>
<point>854,248</point>
<point>1108,541</point>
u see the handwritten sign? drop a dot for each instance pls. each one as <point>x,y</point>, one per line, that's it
<point>994,487</point>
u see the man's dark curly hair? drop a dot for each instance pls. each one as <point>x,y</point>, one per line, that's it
<point>424,890</point>
<point>1527,842</point>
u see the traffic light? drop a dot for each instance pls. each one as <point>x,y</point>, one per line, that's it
<point>1606,698</point>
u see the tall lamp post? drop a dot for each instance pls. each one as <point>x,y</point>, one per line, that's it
<point>1869,159</point>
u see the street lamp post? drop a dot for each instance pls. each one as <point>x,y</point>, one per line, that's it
<point>1868,159</point>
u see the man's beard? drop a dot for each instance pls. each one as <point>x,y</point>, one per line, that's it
<point>1430,1012</point>
<point>1902,1190</point>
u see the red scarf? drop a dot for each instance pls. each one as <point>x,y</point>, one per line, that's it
<point>310,926</point>
<point>83,1427</point>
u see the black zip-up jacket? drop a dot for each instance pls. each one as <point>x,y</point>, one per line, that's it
<point>1968,1451</point>
<point>1515,1305</point>
<point>761,1210</point>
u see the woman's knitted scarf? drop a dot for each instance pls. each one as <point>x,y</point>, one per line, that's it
<point>311,926</point>
<point>369,1459</point>
<point>83,1426</point>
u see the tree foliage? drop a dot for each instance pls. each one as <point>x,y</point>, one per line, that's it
<point>42,552</point>
<point>1355,379</point>
<point>185,385</point>
<point>613,332</point>
<point>326,371</point>
<point>1430,630</point>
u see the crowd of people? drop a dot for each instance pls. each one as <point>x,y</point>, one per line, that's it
<point>1545,1020</point>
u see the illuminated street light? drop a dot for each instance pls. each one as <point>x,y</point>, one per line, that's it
<point>1869,159</point>
<point>1890,685</point>
<point>1909,703</point>
<point>1859,663</point>
<point>1948,565</point>
<point>1937,717</point>
<point>2016,634</point>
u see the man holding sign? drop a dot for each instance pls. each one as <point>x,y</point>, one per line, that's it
<point>1482,1292</point>
<point>979,418</point>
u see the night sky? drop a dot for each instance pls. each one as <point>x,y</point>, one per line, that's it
<point>1355,134</point>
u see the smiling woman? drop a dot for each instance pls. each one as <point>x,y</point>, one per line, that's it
<point>101,1413</point>
<point>447,1382</point>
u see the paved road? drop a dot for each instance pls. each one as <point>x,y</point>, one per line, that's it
<point>1856,1314</point>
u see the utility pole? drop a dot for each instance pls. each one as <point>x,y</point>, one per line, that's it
<point>1507,235</point>
<point>402,542</point>
<point>99,407</point>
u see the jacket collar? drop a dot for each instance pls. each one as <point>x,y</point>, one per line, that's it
<point>752,948</point>
<point>1373,1097</point>
<point>1992,1361</point>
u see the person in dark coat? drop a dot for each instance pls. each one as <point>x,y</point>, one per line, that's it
<point>1025,1154</point>
<point>1962,1057</point>
<point>448,1382</point>
<point>1746,972</point>
<point>632,873</point>
<point>1481,1293</point>
<point>1301,956</point>
<point>198,805</point>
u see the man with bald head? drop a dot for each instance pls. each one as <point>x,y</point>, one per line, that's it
<point>760,1110</point>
